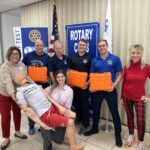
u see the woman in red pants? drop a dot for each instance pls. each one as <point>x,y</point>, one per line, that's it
<point>7,95</point>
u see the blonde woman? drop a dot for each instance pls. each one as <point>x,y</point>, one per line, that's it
<point>133,88</point>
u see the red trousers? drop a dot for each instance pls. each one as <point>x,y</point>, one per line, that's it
<point>6,105</point>
<point>140,117</point>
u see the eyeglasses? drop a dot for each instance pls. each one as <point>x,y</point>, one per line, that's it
<point>14,53</point>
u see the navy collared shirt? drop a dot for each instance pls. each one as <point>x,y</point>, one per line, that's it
<point>56,63</point>
<point>110,64</point>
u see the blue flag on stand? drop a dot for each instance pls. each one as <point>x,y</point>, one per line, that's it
<point>55,33</point>
<point>108,27</point>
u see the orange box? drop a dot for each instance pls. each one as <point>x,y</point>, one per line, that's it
<point>77,79</point>
<point>38,74</point>
<point>100,81</point>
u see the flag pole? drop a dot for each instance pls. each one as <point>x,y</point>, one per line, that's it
<point>55,33</point>
<point>108,36</point>
<point>108,27</point>
<point>57,20</point>
<point>54,2</point>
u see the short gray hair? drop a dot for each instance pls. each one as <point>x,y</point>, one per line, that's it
<point>58,42</point>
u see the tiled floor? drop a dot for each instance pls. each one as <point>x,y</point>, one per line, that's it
<point>100,141</point>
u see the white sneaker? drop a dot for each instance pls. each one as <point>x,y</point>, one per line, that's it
<point>130,141</point>
<point>140,146</point>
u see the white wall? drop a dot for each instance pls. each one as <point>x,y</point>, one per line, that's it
<point>8,21</point>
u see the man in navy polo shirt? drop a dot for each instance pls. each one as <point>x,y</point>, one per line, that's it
<point>59,60</point>
<point>106,62</point>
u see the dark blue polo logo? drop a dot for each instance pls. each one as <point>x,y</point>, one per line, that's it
<point>109,62</point>
<point>65,62</point>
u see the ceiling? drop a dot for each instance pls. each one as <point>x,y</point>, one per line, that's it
<point>13,5</point>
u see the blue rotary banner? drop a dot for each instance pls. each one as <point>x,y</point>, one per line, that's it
<point>25,38</point>
<point>87,31</point>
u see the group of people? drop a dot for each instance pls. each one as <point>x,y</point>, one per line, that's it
<point>50,104</point>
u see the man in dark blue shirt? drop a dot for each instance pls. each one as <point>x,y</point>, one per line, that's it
<point>59,60</point>
<point>38,58</point>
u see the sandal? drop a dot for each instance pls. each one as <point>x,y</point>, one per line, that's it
<point>5,144</point>
<point>140,146</point>
<point>20,135</point>
<point>129,142</point>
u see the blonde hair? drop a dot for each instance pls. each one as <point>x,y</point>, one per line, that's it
<point>138,47</point>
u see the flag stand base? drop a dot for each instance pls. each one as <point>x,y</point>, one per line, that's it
<point>107,128</point>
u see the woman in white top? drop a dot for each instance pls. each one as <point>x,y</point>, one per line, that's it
<point>60,91</point>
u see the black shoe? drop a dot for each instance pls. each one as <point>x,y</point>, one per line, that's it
<point>39,130</point>
<point>83,130</point>
<point>90,132</point>
<point>50,147</point>
<point>5,144</point>
<point>118,141</point>
<point>20,135</point>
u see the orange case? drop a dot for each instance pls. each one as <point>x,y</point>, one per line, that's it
<point>77,79</point>
<point>100,81</point>
<point>38,74</point>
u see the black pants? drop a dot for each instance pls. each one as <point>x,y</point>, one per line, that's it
<point>111,99</point>
<point>31,122</point>
<point>49,135</point>
<point>81,105</point>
